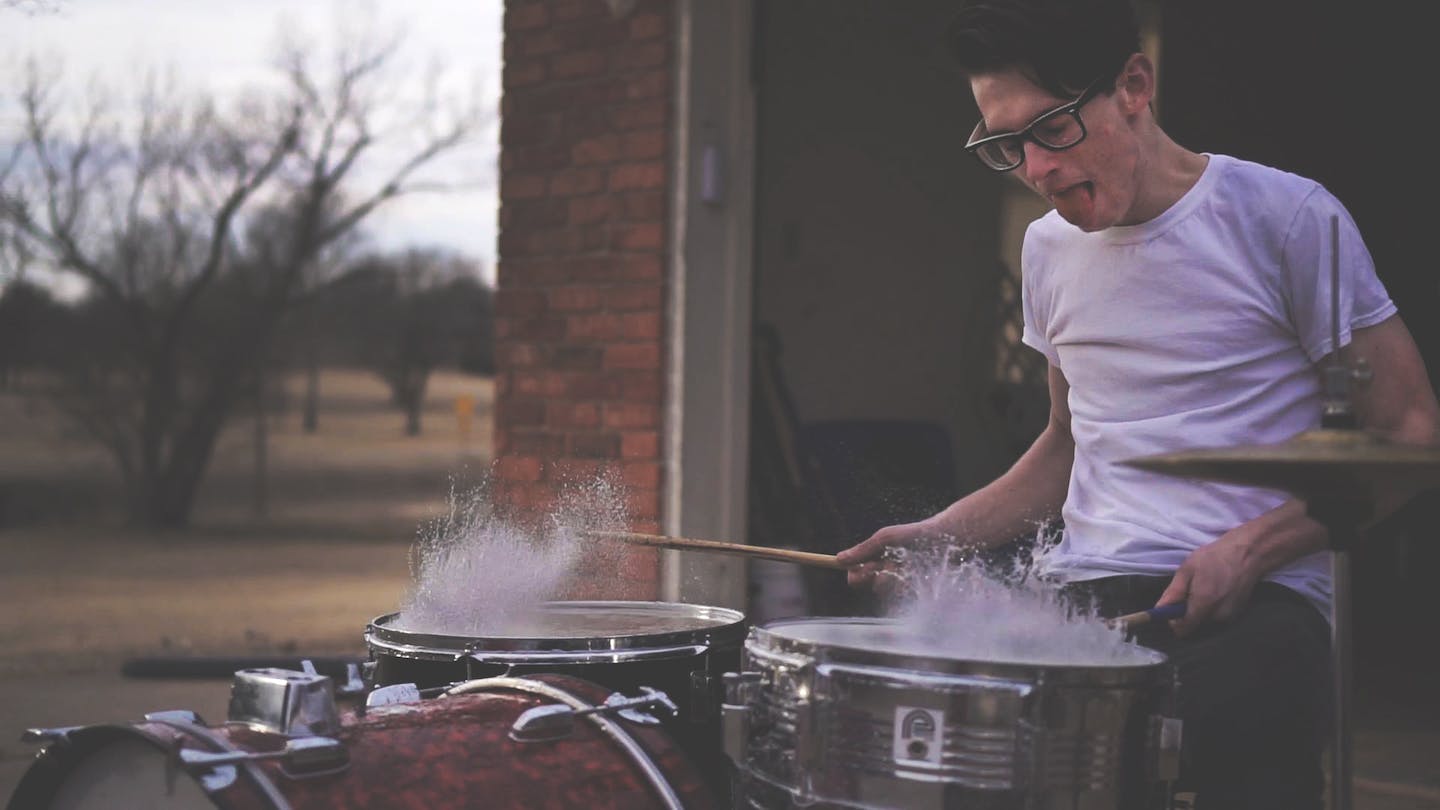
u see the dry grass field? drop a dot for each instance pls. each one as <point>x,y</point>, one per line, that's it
<point>82,593</point>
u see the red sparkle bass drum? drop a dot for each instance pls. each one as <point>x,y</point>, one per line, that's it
<point>471,747</point>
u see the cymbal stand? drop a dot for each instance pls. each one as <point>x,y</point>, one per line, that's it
<point>1342,515</point>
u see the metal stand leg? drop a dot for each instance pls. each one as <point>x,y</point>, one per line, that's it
<point>1341,764</point>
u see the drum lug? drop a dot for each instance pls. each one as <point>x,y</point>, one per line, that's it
<point>393,694</point>
<point>173,716</point>
<point>740,691</point>
<point>1165,737</point>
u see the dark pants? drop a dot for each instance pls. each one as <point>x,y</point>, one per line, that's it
<point>1254,694</point>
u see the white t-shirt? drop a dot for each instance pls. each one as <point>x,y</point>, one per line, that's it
<point>1199,328</point>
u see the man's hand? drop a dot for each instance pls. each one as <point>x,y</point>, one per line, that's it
<point>1215,582</point>
<point>863,559</point>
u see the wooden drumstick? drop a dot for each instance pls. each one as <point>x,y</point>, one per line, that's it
<point>760,552</point>
<point>1163,613</point>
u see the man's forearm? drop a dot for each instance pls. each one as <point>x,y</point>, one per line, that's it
<point>1029,493</point>
<point>1279,537</point>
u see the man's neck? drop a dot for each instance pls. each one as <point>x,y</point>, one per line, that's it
<point>1168,172</point>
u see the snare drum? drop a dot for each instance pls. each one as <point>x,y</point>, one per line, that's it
<point>838,712</point>
<point>677,648</point>
<point>454,751</point>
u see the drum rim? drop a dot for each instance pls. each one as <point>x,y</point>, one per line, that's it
<point>729,627</point>
<point>768,638</point>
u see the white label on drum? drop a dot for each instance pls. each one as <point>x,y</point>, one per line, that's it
<point>919,734</point>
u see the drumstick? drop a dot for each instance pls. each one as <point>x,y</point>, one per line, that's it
<point>760,552</point>
<point>1163,613</point>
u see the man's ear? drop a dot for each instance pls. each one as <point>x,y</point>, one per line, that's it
<point>1135,88</point>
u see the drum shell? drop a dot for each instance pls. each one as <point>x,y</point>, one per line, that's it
<point>686,664</point>
<point>823,725</point>
<point>445,752</point>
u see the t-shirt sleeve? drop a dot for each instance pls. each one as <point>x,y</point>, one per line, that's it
<point>1032,307</point>
<point>1308,269</point>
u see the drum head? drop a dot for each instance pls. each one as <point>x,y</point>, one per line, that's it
<point>578,625</point>
<point>848,638</point>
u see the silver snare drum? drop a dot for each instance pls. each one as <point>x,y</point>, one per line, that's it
<point>835,711</point>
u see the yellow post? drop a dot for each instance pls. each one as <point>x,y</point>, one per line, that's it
<point>464,413</point>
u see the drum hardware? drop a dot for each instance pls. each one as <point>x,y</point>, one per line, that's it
<point>556,720</point>
<point>1341,473</point>
<point>393,694</point>
<point>285,702</point>
<point>301,758</point>
<point>741,692</point>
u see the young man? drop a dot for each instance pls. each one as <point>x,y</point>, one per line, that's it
<point>1183,301</point>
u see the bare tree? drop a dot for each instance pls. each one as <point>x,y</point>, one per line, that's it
<point>409,313</point>
<point>197,231</point>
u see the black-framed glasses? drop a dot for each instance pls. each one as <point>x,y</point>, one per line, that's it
<point>1060,128</point>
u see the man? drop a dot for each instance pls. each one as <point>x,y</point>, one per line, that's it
<point>1183,301</point>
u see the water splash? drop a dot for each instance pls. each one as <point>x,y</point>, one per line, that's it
<point>953,602</point>
<point>476,572</point>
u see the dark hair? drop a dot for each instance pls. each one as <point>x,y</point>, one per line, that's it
<point>1060,45</point>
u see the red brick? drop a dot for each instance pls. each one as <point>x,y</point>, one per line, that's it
<point>642,474</point>
<point>518,468</point>
<point>522,130</point>
<point>526,16</point>
<point>540,383</point>
<point>593,385</point>
<point>621,299</point>
<point>517,355</point>
<point>597,150</point>
<point>639,115</point>
<point>642,268</point>
<point>590,210</point>
<point>643,55</point>
<point>540,43</point>
<point>581,358</point>
<point>533,213</point>
<point>645,526</point>
<point>595,445</point>
<point>522,186</point>
<point>577,181</point>
<point>631,415</point>
<point>647,85</point>
<point>641,326</point>
<point>644,144</point>
<point>578,64</point>
<point>570,10</point>
<point>641,386</point>
<point>537,443</point>
<point>640,444</point>
<point>520,413</point>
<point>638,236</point>
<point>601,326</point>
<point>576,470</point>
<point>524,73</point>
<point>538,157</point>
<point>519,303</point>
<point>575,299</point>
<point>648,26</point>
<point>643,504</point>
<point>641,356</point>
<point>644,175</point>
<point>572,415</point>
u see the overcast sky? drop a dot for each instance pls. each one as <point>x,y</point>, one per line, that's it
<point>220,47</point>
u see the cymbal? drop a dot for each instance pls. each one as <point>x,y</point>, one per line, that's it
<point>1314,463</point>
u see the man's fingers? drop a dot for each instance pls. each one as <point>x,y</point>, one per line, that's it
<point>870,548</point>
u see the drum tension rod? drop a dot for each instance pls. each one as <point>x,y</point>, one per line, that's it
<point>556,720</point>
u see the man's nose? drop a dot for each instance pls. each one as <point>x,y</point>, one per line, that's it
<point>1039,162</point>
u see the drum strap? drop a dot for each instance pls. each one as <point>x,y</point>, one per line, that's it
<point>609,727</point>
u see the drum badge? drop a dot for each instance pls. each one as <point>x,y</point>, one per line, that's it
<point>918,735</point>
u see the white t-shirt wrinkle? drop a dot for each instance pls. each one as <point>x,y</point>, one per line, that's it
<point>1199,328</point>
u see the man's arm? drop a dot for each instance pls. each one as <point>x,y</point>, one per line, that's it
<point>1029,493</point>
<point>1398,404</point>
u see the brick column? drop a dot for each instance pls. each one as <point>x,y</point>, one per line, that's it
<point>580,304</point>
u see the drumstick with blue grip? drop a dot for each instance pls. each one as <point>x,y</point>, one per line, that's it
<point>1164,613</point>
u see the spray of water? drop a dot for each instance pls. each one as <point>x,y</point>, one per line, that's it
<point>476,572</point>
<point>952,603</point>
